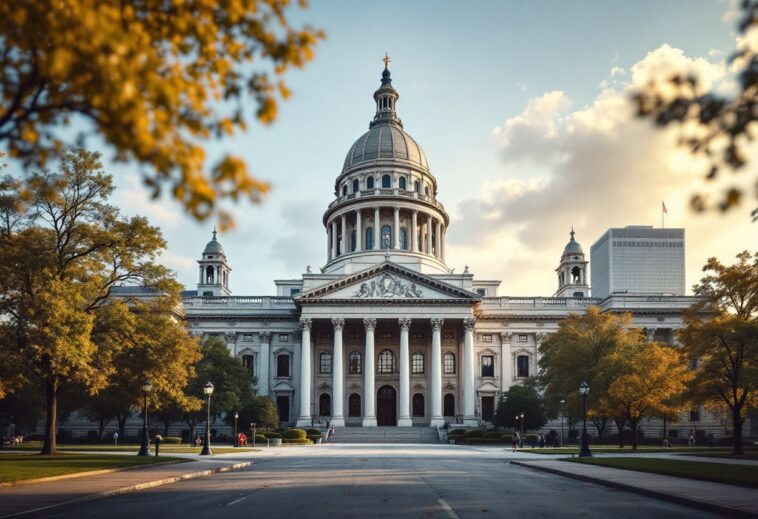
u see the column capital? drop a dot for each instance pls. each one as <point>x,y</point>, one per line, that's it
<point>437,323</point>
<point>338,324</point>
<point>650,332</point>
<point>405,324</point>
<point>468,323</point>
<point>306,324</point>
<point>230,336</point>
<point>265,336</point>
<point>540,336</point>
<point>506,336</point>
<point>370,324</point>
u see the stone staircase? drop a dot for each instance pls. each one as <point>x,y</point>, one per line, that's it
<point>424,434</point>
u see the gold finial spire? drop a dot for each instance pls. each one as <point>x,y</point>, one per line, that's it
<point>386,59</point>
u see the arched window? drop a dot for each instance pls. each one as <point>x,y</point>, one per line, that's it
<point>417,363</point>
<point>402,183</point>
<point>209,275</point>
<point>522,366</point>
<point>370,183</point>
<point>344,190</point>
<point>576,275</point>
<point>354,405</point>
<point>353,243</point>
<point>403,239</point>
<point>418,405</point>
<point>386,237</point>
<point>325,405</point>
<point>283,365</point>
<point>369,238</point>
<point>249,362</point>
<point>386,182</point>
<point>356,185</point>
<point>386,362</point>
<point>488,366</point>
<point>449,363</point>
<point>226,281</point>
<point>448,407</point>
<point>354,366</point>
<point>325,363</point>
<point>416,186</point>
<point>426,190</point>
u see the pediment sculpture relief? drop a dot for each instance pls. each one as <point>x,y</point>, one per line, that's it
<point>388,286</point>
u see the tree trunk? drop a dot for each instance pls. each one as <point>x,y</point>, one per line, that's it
<point>166,425</point>
<point>620,422</point>
<point>737,421</point>
<point>122,426</point>
<point>51,423</point>
<point>600,424</point>
<point>633,424</point>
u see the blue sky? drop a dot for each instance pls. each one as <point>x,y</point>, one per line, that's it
<point>463,70</point>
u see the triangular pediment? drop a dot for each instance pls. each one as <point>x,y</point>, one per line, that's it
<point>387,282</point>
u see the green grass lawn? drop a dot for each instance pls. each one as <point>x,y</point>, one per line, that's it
<point>748,455</point>
<point>17,467</point>
<point>743,475</point>
<point>611,449</point>
<point>104,447</point>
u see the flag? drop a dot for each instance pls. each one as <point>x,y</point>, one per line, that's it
<point>663,207</point>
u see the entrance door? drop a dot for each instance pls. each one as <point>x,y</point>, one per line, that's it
<point>283,406</point>
<point>488,408</point>
<point>386,404</point>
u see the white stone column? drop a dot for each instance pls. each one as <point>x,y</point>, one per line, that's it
<point>469,391</point>
<point>377,230</point>
<point>436,382</point>
<point>429,234</point>
<point>334,238</point>
<point>345,238</point>
<point>329,242</point>
<point>369,389</point>
<point>414,231</point>
<point>396,229</point>
<point>305,420</point>
<point>358,231</point>
<point>437,239</point>
<point>265,359</point>
<point>201,274</point>
<point>338,417</point>
<point>507,362</point>
<point>442,243</point>
<point>404,420</point>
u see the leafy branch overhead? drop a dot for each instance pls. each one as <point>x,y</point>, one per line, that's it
<point>717,127</point>
<point>157,80</point>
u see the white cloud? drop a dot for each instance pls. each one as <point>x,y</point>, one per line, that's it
<point>605,168</point>
<point>134,199</point>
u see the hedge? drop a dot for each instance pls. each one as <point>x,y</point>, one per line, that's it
<point>474,433</point>
<point>494,434</point>
<point>294,434</point>
<point>259,438</point>
<point>172,440</point>
<point>456,432</point>
<point>484,441</point>
<point>272,435</point>
<point>297,441</point>
<point>455,437</point>
<point>313,432</point>
<point>315,437</point>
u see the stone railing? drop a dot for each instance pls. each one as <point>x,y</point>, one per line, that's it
<point>520,303</point>
<point>412,195</point>
<point>241,301</point>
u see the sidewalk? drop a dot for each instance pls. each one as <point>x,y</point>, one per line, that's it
<point>23,499</point>
<point>703,495</point>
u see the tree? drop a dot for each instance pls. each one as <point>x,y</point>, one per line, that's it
<point>725,345</point>
<point>717,127</point>
<point>643,380</point>
<point>261,411</point>
<point>156,80</point>
<point>517,400</point>
<point>59,263</point>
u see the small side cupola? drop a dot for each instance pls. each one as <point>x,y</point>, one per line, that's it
<point>214,270</point>
<point>572,271</point>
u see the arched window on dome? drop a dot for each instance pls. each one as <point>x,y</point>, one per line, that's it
<point>353,242</point>
<point>370,183</point>
<point>386,237</point>
<point>344,190</point>
<point>402,183</point>
<point>386,182</point>
<point>416,186</point>
<point>403,239</point>
<point>369,238</point>
<point>356,185</point>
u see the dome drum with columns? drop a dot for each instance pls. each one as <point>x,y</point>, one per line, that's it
<point>386,333</point>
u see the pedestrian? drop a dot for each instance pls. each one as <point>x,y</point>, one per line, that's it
<point>541,442</point>
<point>330,434</point>
<point>115,438</point>
<point>198,441</point>
<point>158,440</point>
<point>665,442</point>
<point>691,440</point>
<point>514,442</point>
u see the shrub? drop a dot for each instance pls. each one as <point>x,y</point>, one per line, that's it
<point>297,441</point>
<point>315,437</point>
<point>457,432</point>
<point>172,440</point>
<point>294,434</point>
<point>457,438</point>
<point>483,441</point>
<point>531,439</point>
<point>312,432</point>
<point>494,434</point>
<point>474,433</point>
<point>259,438</point>
<point>272,435</point>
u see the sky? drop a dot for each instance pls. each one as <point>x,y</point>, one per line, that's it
<point>523,111</point>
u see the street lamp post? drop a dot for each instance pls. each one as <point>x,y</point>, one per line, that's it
<point>144,449</point>
<point>562,402</point>
<point>236,436</point>
<point>208,390</point>
<point>522,429</point>
<point>584,449</point>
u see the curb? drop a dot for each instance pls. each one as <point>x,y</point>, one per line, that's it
<point>686,501</point>
<point>135,488</point>
<point>89,473</point>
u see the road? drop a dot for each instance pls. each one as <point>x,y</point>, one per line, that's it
<point>355,481</point>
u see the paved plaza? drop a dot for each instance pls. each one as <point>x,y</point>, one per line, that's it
<point>356,481</point>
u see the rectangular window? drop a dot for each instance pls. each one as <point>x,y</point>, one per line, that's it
<point>294,291</point>
<point>487,338</point>
<point>694,415</point>
<point>325,364</point>
<point>488,366</point>
<point>481,291</point>
<point>247,337</point>
<point>417,363</point>
<point>522,337</point>
<point>449,363</point>
<point>283,337</point>
<point>283,366</point>
<point>522,366</point>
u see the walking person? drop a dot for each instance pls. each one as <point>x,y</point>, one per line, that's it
<point>514,442</point>
<point>115,438</point>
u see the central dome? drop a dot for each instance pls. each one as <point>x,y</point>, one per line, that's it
<point>385,142</point>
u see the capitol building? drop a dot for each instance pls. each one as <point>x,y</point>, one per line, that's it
<point>385,333</point>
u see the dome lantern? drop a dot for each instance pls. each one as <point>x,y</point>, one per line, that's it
<point>386,98</point>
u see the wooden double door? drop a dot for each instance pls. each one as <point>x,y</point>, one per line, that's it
<point>386,406</point>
